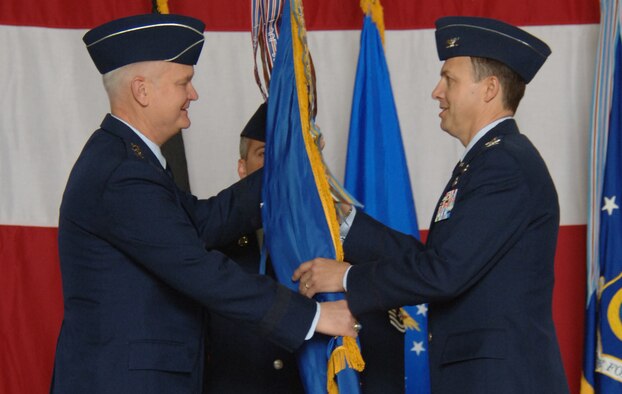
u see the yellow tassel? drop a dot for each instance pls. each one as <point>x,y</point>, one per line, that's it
<point>409,322</point>
<point>348,355</point>
<point>303,84</point>
<point>163,6</point>
<point>374,8</point>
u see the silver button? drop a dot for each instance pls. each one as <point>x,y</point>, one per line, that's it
<point>277,364</point>
<point>429,337</point>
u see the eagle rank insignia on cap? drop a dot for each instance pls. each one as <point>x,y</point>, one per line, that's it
<point>452,42</point>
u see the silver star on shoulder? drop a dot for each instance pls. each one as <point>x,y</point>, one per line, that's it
<point>417,347</point>
<point>610,205</point>
<point>422,309</point>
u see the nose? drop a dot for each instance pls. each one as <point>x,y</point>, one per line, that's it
<point>192,94</point>
<point>436,92</point>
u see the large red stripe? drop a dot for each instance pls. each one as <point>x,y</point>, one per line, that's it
<point>569,299</point>
<point>31,305</point>
<point>31,308</point>
<point>234,15</point>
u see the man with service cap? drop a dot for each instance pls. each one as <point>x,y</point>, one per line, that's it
<point>137,254</point>
<point>486,269</point>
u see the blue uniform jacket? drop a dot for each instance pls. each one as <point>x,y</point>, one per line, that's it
<point>486,270</point>
<point>137,273</point>
<point>239,360</point>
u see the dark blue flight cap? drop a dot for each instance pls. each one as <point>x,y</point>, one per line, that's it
<point>139,38</point>
<point>493,39</point>
<point>256,126</point>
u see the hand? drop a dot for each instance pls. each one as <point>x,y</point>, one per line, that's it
<point>320,275</point>
<point>336,319</point>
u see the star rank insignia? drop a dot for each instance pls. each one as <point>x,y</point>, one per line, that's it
<point>137,151</point>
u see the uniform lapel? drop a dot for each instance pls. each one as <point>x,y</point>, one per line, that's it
<point>138,148</point>
<point>493,137</point>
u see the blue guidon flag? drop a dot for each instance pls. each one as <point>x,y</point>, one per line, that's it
<point>299,216</point>
<point>377,175</point>
<point>602,369</point>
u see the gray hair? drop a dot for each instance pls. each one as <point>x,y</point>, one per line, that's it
<point>115,79</point>
<point>112,80</point>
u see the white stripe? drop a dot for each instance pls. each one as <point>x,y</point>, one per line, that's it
<point>52,100</point>
<point>185,50</point>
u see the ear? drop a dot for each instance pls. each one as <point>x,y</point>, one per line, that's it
<point>139,90</point>
<point>492,88</point>
<point>242,168</point>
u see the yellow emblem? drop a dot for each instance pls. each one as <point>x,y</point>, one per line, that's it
<point>452,42</point>
<point>137,151</point>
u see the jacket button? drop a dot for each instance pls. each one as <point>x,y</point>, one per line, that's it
<point>243,241</point>
<point>277,364</point>
<point>429,337</point>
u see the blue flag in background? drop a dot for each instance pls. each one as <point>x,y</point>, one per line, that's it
<point>299,218</point>
<point>377,175</point>
<point>602,369</point>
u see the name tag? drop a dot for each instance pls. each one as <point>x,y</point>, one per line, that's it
<point>446,205</point>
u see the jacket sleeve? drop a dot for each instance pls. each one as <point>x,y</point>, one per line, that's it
<point>233,212</point>
<point>490,214</point>
<point>147,221</point>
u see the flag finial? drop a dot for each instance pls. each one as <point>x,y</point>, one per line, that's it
<point>159,6</point>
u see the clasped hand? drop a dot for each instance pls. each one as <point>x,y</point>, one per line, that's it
<point>320,275</point>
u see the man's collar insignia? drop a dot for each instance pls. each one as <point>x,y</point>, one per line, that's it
<point>492,142</point>
<point>137,151</point>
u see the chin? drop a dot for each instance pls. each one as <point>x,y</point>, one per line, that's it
<point>185,124</point>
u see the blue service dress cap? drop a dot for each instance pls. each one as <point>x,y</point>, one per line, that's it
<point>139,38</point>
<point>256,126</point>
<point>493,39</point>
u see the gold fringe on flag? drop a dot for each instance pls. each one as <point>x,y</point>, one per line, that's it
<point>374,9</point>
<point>306,98</point>
<point>348,355</point>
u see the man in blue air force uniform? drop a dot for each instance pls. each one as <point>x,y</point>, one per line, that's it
<point>239,360</point>
<point>135,251</point>
<point>487,266</point>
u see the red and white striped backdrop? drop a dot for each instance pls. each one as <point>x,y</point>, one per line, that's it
<point>51,100</point>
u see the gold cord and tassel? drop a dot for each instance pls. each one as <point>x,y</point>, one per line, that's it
<point>345,355</point>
